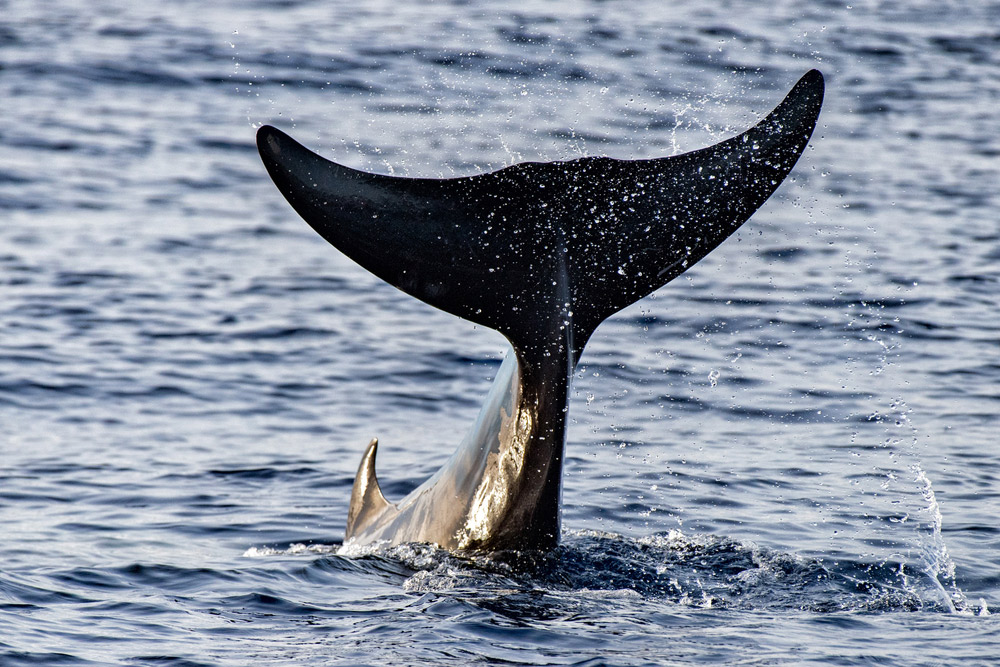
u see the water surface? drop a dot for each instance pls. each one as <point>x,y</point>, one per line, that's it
<point>787,456</point>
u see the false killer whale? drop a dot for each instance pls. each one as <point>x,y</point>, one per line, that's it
<point>543,253</point>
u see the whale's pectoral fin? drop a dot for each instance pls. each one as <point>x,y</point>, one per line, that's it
<point>533,247</point>
<point>367,501</point>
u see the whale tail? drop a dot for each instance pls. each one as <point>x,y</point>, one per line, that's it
<point>535,243</point>
<point>543,253</point>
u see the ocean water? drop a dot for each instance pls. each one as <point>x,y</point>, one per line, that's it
<point>787,456</point>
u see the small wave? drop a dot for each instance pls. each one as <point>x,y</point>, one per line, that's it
<point>701,571</point>
<point>297,549</point>
<point>104,73</point>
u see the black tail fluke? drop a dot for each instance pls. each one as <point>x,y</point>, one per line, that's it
<point>534,245</point>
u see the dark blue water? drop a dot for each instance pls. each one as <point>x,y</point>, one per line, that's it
<point>787,456</point>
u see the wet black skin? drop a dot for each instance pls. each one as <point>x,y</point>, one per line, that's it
<point>543,253</point>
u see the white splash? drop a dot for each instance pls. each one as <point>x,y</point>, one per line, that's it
<point>938,565</point>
